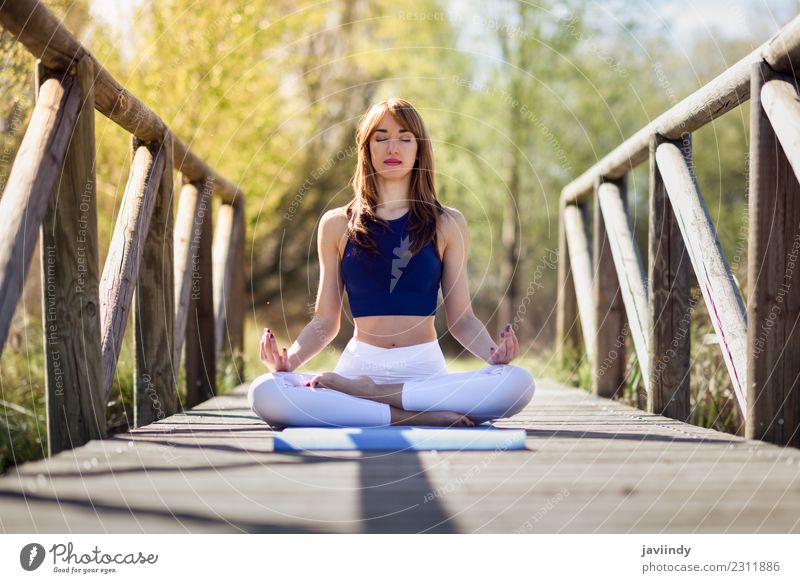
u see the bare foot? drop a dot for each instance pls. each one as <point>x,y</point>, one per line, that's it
<point>361,386</point>
<point>437,418</point>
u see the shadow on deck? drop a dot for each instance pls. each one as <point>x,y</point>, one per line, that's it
<point>591,465</point>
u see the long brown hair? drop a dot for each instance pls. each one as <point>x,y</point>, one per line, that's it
<point>424,207</point>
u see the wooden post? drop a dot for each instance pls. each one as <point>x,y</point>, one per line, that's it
<point>238,297</point>
<point>76,411</point>
<point>608,365</point>
<point>33,176</point>
<point>773,275</point>
<point>630,270</point>
<point>580,259</point>
<point>121,269</point>
<point>229,293</point>
<point>725,308</point>
<point>567,326</point>
<point>155,382</point>
<point>201,358</point>
<point>668,300</point>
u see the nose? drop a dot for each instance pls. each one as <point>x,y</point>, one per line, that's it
<point>393,146</point>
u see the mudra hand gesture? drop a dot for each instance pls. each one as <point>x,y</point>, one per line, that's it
<point>507,349</point>
<point>276,360</point>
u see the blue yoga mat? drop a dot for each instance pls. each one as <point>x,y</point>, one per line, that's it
<point>398,438</point>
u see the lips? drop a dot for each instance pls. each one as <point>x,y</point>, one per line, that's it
<point>392,162</point>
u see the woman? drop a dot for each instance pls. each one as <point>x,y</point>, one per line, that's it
<point>391,247</point>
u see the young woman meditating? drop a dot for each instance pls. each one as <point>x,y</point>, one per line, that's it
<point>391,248</point>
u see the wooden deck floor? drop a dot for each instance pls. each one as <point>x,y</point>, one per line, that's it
<point>591,465</point>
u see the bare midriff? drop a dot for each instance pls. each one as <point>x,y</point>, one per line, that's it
<point>395,331</point>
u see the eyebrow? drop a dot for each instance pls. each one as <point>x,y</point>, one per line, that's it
<point>386,131</point>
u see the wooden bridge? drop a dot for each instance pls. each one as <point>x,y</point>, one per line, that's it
<point>592,464</point>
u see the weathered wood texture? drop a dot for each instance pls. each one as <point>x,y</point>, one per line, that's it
<point>193,206</point>
<point>669,309</point>
<point>201,356</point>
<point>70,277</point>
<point>155,375</point>
<point>121,268</point>
<point>591,466</point>
<point>45,36</point>
<point>32,178</point>
<point>629,270</point>
<point>773,303</point>
<point>711,268</point>
<point>567,325</point>
<point>224,256</point>
<point>608,366</point>
<point>580,259</point>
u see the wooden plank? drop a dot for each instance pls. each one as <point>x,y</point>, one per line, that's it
<point>660,475</point>
<point>155,374</point>
<point>773,303</point>
<point>45,36</point>
<point>781,104</point>
<point>125,254</point>
<point>714,277</point>
<point>567,325</point>
<point>630,272</point>
<point>29,185</point>
<point>193,206</point>
<point>70,276</point>
<point>608,365</point>
<point>201,357</point>
<point>580,259</point>
<point>230,347</point>
<point>669,311</point>
<point>224,255</point>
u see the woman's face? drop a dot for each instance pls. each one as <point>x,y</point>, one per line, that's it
<point>393,148</point>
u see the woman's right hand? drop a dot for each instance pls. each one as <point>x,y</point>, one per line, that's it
<point>275,360</point>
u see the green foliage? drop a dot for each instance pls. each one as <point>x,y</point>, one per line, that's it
<point>519,99</point>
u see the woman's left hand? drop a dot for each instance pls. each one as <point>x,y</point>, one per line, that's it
<point>507,348</point>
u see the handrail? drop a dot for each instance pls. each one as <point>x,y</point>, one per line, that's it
<point>153,261</point>
<point>760,343</point>
<point>720,95</point>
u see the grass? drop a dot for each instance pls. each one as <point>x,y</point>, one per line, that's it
<point>712,399</point>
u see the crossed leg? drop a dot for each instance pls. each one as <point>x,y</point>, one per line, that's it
<point>289,399</point>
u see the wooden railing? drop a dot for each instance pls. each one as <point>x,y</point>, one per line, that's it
<point>760,344</point>
<point>183,288</point>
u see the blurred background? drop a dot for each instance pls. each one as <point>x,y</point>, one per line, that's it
<point>519,98</point>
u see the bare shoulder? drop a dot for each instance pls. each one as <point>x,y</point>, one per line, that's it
<point>333,227</point>
<point>453,221</point>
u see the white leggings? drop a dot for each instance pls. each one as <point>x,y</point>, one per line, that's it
<point>492,392</point>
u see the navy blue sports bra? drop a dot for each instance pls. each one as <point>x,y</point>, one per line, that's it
<point>393,282</point>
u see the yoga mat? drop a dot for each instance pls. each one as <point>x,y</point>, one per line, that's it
<point>398,438</point>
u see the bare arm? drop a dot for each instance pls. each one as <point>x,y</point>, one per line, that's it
<point>324,326</point>
<point>464,326</point>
